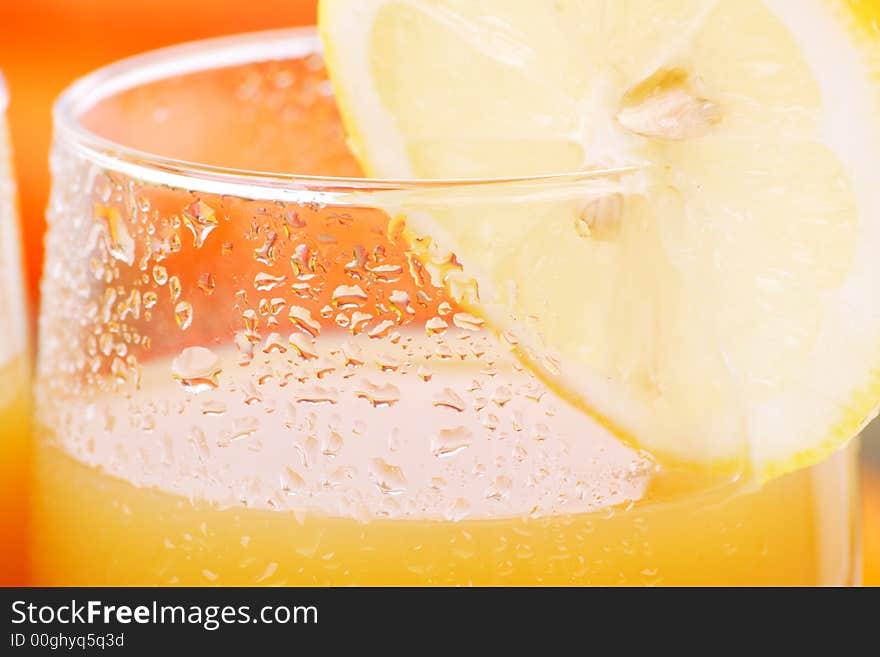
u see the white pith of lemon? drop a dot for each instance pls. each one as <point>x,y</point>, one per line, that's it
<point>720,305</point>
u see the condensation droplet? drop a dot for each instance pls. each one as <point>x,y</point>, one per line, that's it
<point>378,394</point>
<point>266,253</point>
<point>467,321</point>
<point>359,322</point>
<point>243,427</point>
<point>348,296</point>
<point>200,219</point>
<point>274,342</point>
<point>206,283</point>
<point>382,329</point>
<point>183,314</point>
<point>459,510</point>
<point>213,407</point>
<point>120,244</point>
<point>448,442</point>
<point>160,274</point>
<point>353,354</point>
<point>400,301</point>
<point>332,444</point>
<point>265,281</point>
<point>317,394</point>
<point>463,289</point>
<point>302,319</point>
<point>303,345</point>
<point>501,396</point>
<point>276,305</point>
<point>199,444</point>
<point>303,262</point>
<point>389,478</point>
<point>387,273</point>
<point>436,326</point>
<point>388,362</point>
<point>500,488</point>
<point>196,369</point>
<point>174,288</point>
<point>448,398</point>
<point>291,480</point>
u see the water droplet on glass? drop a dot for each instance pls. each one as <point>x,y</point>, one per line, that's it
<point>353,354</point>
<point>348,296</point>
<point>105,344</point>
<point>117,239</point>
<point>199,444</point>
<point>501,396</point>
<point>302,319</point>
<point>274,342</point>
<point>196,368</point>
<point>150,299</point>
<point>436,326</point>
<point>183,314</point>
<point>388,362</point>
<point>324,368</point>
<point>389,478</point>
<point>332,444</point>
<point>200,219</point>
<point>448,398</point>
<point>291,480</point>
<point>160,274</point>
<point>206,283</point>
<point>317,394</point>
<point>303,345</point>
<point>265,281</point>
<point>213,407</point>
<point>276,305</point>
<point>266,253</point>
<point>388,273</point>
<point>463,289</point>
<point>500,488</point>
<point>400,301</point>
<point>378,395</point>
<point>450,441</point>
<point>382,329</point>
<point>303,262</point>
<point>467,321</point>
<point>243,427</point>
<point>174,288</point>
<point>359,322</point>
<point>459,510</point>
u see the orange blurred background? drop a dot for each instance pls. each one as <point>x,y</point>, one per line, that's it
<point>45,44</point>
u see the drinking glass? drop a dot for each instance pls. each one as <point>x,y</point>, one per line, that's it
<point>14,375</point>
<point>250,373</point>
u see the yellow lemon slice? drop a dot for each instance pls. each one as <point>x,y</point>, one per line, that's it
<point>719,305</point>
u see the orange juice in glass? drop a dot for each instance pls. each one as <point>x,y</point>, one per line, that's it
<point>14,377</point>
<point>253,370</point>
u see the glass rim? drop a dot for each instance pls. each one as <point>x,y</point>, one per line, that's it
<point>220,52</point>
